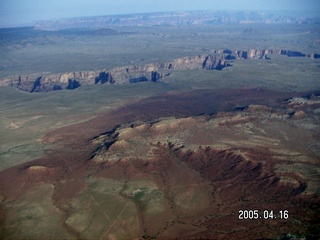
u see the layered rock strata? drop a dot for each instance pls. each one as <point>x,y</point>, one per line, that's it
<point>216,60</point>
<point>118,75</point>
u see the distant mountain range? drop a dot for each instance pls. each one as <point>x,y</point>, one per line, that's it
<point>174,19</point>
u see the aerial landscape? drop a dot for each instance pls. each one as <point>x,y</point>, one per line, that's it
<point>171,120</point>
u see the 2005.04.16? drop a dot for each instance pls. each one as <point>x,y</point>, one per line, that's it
<point>265,214</point>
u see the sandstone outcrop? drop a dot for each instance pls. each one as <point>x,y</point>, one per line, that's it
<point>118,75</point>
<point>263,54</point>
<point>217,60</point>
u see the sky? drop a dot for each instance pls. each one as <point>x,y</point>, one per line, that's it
<point>25,12</point>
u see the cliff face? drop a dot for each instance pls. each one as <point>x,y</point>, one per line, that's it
<point>118,75</point>
<point>263,54</point>
<point>218,60</point>
<point>51,82</point>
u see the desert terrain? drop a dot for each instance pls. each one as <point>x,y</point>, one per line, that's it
<point>120,131</point>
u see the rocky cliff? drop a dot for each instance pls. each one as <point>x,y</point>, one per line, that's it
<point>216,60</point>
<point>118,75</point>
<point>263,54</point>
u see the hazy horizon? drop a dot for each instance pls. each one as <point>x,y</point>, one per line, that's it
<point>26,12</point>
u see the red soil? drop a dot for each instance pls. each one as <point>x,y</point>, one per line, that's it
<point>233,182</point>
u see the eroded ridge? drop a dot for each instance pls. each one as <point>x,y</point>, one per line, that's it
<point>174,177</point>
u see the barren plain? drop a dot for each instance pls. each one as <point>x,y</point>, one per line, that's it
<point>177,157</point>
